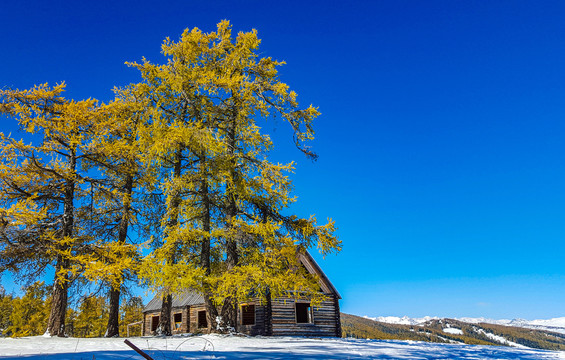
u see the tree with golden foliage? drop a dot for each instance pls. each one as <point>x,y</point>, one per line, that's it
<point>225,233</point>
<point>29,314</point>
<point>190,136</point>
<point>119,199</point>
<point>40,186</point>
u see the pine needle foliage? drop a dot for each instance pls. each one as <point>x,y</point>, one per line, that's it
<point>29,314</point>
<point>178,161</point>
<point>42,188</point>
<point>225,232</point>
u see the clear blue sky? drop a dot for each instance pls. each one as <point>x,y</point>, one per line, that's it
<point>441,140</point>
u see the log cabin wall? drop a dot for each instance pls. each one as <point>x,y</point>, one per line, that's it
<point>322,322</point>
<point>338,332</point>
<point>276,317</point>
<point>258,327</point>
<point>147,321</point>
<point>194,328</point>
<point>182,327</point>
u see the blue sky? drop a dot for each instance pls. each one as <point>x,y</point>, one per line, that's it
<point>442,155</point>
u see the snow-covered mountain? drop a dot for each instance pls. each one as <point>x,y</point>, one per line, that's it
<point>513,333</point>
<point>555,324</point>
<point>405,320</point>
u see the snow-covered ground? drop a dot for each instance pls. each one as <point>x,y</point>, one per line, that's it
<point>234,347</point>
<point>556,324</point>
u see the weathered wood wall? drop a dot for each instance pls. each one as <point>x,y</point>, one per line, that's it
<point>147,322</point>
<point>194,309</point>
<point>324,322</point>
<point>272,317</point>
<point>337,317</point>
<point>184,323</point>
<point>259,327</point>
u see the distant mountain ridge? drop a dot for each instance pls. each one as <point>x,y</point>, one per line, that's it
<point>555,324</point>
<point>474,331</point>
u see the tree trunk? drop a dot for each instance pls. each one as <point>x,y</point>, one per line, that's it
<point>165,320</point>
<point>229,315</point>
<point>56,322</point>
<point>113,328</point>
<point>211,311</point>
<point>229,308</point>
<point>268,314</point>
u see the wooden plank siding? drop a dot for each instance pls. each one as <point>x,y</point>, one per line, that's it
<point>194,309</point>
<point>258,328</point>
<point>275,317</point>
<point>147,319</point>
<point>323,319</point>
<point>147,322</point>
<point>184,321</point>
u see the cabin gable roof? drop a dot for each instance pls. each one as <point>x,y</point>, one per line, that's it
<point>191,297</point>
<point>312,266</point>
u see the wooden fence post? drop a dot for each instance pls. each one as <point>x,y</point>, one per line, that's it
<point>137,350</point>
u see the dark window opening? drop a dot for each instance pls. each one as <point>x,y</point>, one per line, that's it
<point>303,313</point>
<point>154,323</point>
<point>248,315</point>
<point>178,320</point>
<point>202,321</point>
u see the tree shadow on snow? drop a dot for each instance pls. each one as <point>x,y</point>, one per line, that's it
<point>352,350</point>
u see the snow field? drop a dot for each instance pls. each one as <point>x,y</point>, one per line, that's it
<point>236,347</point>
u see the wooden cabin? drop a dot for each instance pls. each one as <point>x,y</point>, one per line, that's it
<point>274,317</point>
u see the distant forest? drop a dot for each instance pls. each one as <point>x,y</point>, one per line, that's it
<point>27,315</point>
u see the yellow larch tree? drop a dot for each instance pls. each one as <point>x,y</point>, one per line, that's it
<point>41,186</point>
<point>225,195</point>
<point>119,199</point>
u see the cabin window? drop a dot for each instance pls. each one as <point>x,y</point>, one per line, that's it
<point>177,320</point>
<point>248,315</point>
<point>202,321</point>
<point>303,313</point>
<point>154,323</point>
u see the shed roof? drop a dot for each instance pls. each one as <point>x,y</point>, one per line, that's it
<point>189,297</point>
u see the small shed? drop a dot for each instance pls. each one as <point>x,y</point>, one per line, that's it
<point>283,316</point>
